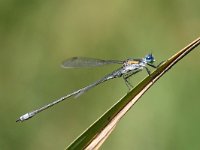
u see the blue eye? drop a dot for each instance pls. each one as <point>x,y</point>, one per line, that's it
<point>149,58</point>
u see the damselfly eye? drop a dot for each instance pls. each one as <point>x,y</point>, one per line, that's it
<point>149,58</point>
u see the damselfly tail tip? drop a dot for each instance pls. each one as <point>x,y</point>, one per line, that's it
<point>25,117</point>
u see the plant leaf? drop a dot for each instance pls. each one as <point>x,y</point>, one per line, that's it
<point>98,132</point>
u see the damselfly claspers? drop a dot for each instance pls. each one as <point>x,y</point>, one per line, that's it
<point>128,68</point>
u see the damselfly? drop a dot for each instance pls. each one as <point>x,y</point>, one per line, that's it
<point>128,68</point>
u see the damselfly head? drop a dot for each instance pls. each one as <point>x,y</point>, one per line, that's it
<point>149,58</point>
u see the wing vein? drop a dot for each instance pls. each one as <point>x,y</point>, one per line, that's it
<point>79,62</point>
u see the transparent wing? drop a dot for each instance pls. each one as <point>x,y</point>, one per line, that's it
<point>79,62</point>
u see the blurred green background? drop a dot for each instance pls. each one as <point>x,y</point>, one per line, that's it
<point>36,36</point>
